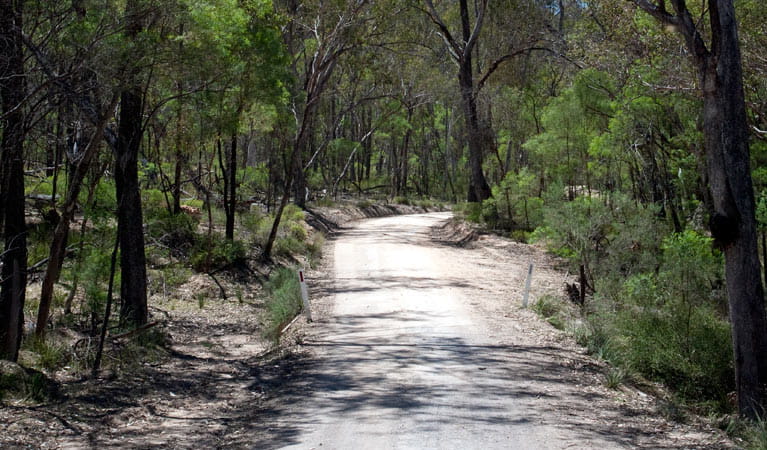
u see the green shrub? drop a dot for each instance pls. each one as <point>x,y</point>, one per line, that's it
<point>176,231</point>
<point>49,356</point>
<point>615,377</point>
<point>400,200</point>
<point>362,204</point>
<point>292,213</point>
<point>194,203</point>
<point>284,301</point>
<point>216,252</point>
<point>667,325</point>
<point>287,246</point>
<point>551,309</point>
<point>547,306</point>
<point>326,201</point>
<point>297,231</point>
<point>471,212</point>
<point>153,200</point>
<point>251,221</point>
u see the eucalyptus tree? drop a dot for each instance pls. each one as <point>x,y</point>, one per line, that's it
<point>726,135</point>
<point>525,30</point>
<point>317,36</point>
<point>14,257</point>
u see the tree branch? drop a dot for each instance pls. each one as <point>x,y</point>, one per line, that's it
<point>455,49</point>
<point>477,28</point>
<point>657,11</point>
<point>497,63</point>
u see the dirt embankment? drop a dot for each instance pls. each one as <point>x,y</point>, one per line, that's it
<point>331,219</point>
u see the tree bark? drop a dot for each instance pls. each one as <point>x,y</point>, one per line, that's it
<point>133,300</point>
<point>229,169</point>
<point>14,258</point>
<point>733,221</point>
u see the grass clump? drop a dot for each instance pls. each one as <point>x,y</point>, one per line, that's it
<point>552,310</point>
<point>284,301</point>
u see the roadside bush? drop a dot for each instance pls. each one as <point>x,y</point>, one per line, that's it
<point>292,213</point>
<point>400,200</point>
<point>287,246</point>
<point>284,301</point>
<point>471,212</point>
<point>667,325</point>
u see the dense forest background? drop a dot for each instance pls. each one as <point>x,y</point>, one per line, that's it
<point>141,126</point>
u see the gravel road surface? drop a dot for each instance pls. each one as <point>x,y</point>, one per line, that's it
<point>423,345</point>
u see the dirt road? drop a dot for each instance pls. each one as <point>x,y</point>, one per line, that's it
<point>415,344</point>
<point>423,345</point>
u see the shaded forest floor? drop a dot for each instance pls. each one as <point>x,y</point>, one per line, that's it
<point>215,382</point>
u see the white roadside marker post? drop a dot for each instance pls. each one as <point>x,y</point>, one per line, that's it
<point>527,286</point>
<point>304,295</point>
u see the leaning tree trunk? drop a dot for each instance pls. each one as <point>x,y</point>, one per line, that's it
<point>733,223</point>
<point>57,248</point>
<point>133,301</point>
<point>14,258</point>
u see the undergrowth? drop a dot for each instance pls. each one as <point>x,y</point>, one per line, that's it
<point>284,301</point>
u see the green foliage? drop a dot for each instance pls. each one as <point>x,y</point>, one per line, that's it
<point>48,355</point>
<point>471,212</point>
<point>17,382</point>
<point>287,246</point>
<point>209,254</point>
<point>176,231</point>
<point>615,377</point>
<point>94,277</point>
<point>666,325</point>
<point>400,200</point>
<point>292,213</point>
<point>552,310</point>
<point>153,201</point>
<point>284,301</point>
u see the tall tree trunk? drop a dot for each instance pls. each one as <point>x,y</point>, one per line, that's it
<point>133,300</point>
<point>733,221</point>
<point>478,188</point>
<point>14,258</point>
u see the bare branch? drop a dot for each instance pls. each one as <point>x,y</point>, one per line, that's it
<point>477,28</point>
<point>497,63</point>
<point>455,49</point>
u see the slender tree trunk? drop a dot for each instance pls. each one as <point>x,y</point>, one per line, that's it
<point>61,232</point>
<point>478,188</point>
<point>133,285</point>
<point>230,187</point>
<point>14,258</point>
